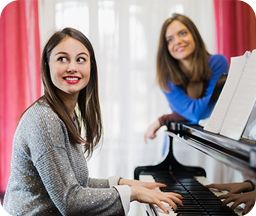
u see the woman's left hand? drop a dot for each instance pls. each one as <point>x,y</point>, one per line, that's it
<point>149,185</point>
<point>247,198</point>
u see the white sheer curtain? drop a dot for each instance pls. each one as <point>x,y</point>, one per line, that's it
<point>125,35</point>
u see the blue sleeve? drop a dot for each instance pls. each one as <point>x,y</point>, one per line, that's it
<point>196,109</point>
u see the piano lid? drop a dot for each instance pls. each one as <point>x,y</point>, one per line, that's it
<point>240,154</point>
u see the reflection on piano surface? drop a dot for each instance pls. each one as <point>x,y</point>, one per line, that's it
<point>198,200</point>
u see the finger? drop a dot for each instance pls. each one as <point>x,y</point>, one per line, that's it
<point>235,204</point>
<point>171,203</point>
<point>228,200</point>
<point>152,136</point>
<point>162,207</point>
<point>224,196</point>
<point>145,139</point>
<point>247,208</point>
<point>176,195</point>
<point>210,185</point>
<point>158,184</point>
<point>216,186</point>
<point>176,200</point>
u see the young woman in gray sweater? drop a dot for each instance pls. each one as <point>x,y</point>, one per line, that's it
<point>49,174</point>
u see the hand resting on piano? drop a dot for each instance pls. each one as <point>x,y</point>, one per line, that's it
<point>238,193</point>
<point>147,192</point>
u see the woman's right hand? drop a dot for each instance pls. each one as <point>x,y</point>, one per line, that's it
<point>232,187</point>
<point>157,197</point>
<point>151,131</point>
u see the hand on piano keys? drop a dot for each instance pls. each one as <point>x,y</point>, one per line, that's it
<point>198,200</point>
<point>149,192</point>
<point>237,194</point>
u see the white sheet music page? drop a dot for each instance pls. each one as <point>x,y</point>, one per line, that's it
<point>215,122</point>
<point>242,101</point>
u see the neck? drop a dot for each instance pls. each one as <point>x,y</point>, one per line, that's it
<point>185,67</point>
<point>70,102</point>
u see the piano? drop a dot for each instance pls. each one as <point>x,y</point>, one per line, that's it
<point>190,181</point>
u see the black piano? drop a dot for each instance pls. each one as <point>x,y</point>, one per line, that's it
<point>199,200</point>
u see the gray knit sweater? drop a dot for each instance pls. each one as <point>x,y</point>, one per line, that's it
<point>49,175</point>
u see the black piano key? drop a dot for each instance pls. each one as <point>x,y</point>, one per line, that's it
<point>189,202</point>
<point>179,190</point>
<point>190,210</point>
<point>212,202</point>
<point>197,199</point>
<point>224,214</point>
<point>205,197</point>
<point>192,214</point>
<point>187,208</point>
<point>197,188</point>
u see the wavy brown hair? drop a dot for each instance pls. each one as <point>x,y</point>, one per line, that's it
<point>168,68</point>
<point>88,100</point>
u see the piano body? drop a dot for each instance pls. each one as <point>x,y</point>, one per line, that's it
<point>189,181</point>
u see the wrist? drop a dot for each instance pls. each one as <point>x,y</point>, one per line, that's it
<point>133,193</point>
<point>120,181</point>
<point>250,186</point>
<point>123,181</point>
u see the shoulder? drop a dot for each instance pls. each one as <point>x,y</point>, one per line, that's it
<point>218,64</point>
<point>40,130</point>
<point>40,112</point>
<point>217,61</point>
<point>40,121</point>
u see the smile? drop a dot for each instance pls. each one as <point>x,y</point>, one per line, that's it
<point>72,80</point>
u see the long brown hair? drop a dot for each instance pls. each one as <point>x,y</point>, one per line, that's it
<point>88,100</point>
<point>168,68</point>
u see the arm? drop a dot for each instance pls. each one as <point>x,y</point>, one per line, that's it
<point>58,171</point>
<point>197,109</point>
<point>162,120</point>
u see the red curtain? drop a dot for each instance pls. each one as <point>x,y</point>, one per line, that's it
<point>235,27</point>
<point>19,72</point>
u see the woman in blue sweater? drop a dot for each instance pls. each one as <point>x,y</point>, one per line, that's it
<point>188,75</point>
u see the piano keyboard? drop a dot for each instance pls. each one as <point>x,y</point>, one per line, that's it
<point>198,200</point>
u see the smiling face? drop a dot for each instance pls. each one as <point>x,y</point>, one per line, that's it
<point>69,65</point>
<point>181,44</point>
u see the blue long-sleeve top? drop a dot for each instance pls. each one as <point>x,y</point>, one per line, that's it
<point>196,109</point>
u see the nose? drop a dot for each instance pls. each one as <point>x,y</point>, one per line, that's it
<point>72,67</point>
<point>177,40</point>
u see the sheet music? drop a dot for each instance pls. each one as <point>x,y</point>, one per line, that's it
<point>236,101</point>
<point>215,122</point>
<point>250,130</point>
<point>242,102</point>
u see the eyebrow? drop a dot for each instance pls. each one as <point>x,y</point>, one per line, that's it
<point>169,36</point>
<point>65,53</point>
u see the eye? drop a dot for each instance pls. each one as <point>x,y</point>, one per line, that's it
<point>81,59</point>
<point>62,59</point>
<point>169,40</point>
<point>183,33</point>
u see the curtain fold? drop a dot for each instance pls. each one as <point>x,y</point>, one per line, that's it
<point>19,71</point>
<point>235,27</point>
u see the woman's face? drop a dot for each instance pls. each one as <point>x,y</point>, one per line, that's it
<point>181,44</point>
<point>70,66</point>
